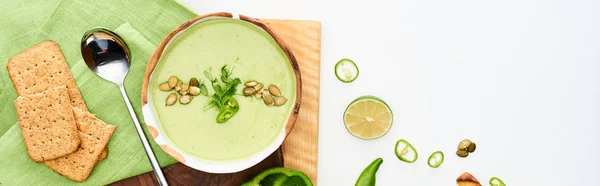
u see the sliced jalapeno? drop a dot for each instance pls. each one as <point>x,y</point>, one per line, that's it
<point>405,151</point>
<point>230,103</point>
<point>224,115</point>
<point>436,159</point>
<point>494,181</point>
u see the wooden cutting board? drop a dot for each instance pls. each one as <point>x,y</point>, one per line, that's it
<point>299,150</point>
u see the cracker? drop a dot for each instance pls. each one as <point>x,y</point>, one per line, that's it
<point>42,67</point>
<point>47,123</point>
<point>95,135</point>
<point>466,179</point>
<point>103,155</point>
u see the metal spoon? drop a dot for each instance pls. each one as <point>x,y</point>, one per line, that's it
<point>106,54</point>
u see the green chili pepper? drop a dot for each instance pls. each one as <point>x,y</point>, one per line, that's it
<point>279,176</point>
<point>367,177</point>
<point>224,115</point>
<point>405,151</point>
<point>494,181</point>
<point>436,159</point>
<point>230,103</point>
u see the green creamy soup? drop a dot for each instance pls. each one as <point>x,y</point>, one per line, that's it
<point>254,55</point>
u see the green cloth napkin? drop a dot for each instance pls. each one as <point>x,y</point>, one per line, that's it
<point>142,24</point>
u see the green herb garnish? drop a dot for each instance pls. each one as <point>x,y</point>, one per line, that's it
<point>222,99</point>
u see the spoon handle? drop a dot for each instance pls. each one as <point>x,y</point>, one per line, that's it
<point>147,147</point>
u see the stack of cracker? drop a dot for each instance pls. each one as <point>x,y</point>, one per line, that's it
<point>57,128</point>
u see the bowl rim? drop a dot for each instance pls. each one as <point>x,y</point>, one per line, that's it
<point>204,165</point>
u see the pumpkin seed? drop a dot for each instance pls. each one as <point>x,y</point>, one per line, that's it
<point>194,91</point>
<point>464,144</point>
<point>248,91</point>
<point>184,89</point>
<point>462,153</point>
<point>171,99</point>
<point>194,82</point>
<point>471,148</point>
<point>258,87</point>
<point>274,90</point>
<point>178,86</point>
<point>251,83</point>
<point>260,91</point>
<point>258,95</point>
<point>267,98</point>
<point>280,100</point>
<point>172,81</point>
<point>165,87</point>
<point>185,99</point>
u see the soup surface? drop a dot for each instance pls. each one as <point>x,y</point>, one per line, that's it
<point>254,55</point>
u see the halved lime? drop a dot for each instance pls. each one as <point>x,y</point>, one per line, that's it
<point>368,117</point>
<point>436,159</point>
<point>346,70</point>
<point>405,151</point>
<point>494,181</point>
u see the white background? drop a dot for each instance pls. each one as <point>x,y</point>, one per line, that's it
<point>518,77</point>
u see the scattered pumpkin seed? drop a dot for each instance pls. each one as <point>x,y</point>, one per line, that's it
<point>471,147</point>
<point>194,91</point>
<point>179,82</point>
<point>464,144</point>
<point>172,81</point>
<point>165,87</point>
<point>185,99</point>
<point>258,95</point>
<point>248,91</point>
<point>274,90</point>
<point>462,153</point>
<point>185,87</point>
<point>171,99</point>
<point>267,98</point>
<point>251,83</point>
<point>279,100</point>
<point>258,86</point>
<point>178,86</point>
<point>261,91</point>
<point>203,90</point>
<point>194,82</point>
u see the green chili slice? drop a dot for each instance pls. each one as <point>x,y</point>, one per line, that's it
<point>230,103</point>
<point>494,181</point>
<point>436,159</point>
<point>224,115</point>
<point>405,151</point>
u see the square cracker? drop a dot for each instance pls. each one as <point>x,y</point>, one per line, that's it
<point>103,155</point>
<point>47,123</point>
<point>94,134</point>
<point>42,67</point>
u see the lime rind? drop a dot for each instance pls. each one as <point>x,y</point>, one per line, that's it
<point>494,181</point>
<point>407,149</point>
<point>436,159</point>
<point>343,70</point>
<point>369,97</point>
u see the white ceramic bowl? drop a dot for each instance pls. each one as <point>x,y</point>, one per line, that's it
<point>152,123</point>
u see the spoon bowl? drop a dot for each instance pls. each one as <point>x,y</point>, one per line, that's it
<point>107,55</point>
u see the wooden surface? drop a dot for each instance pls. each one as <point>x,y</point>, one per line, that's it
<point>299,150</point>
<point>179,174</point>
